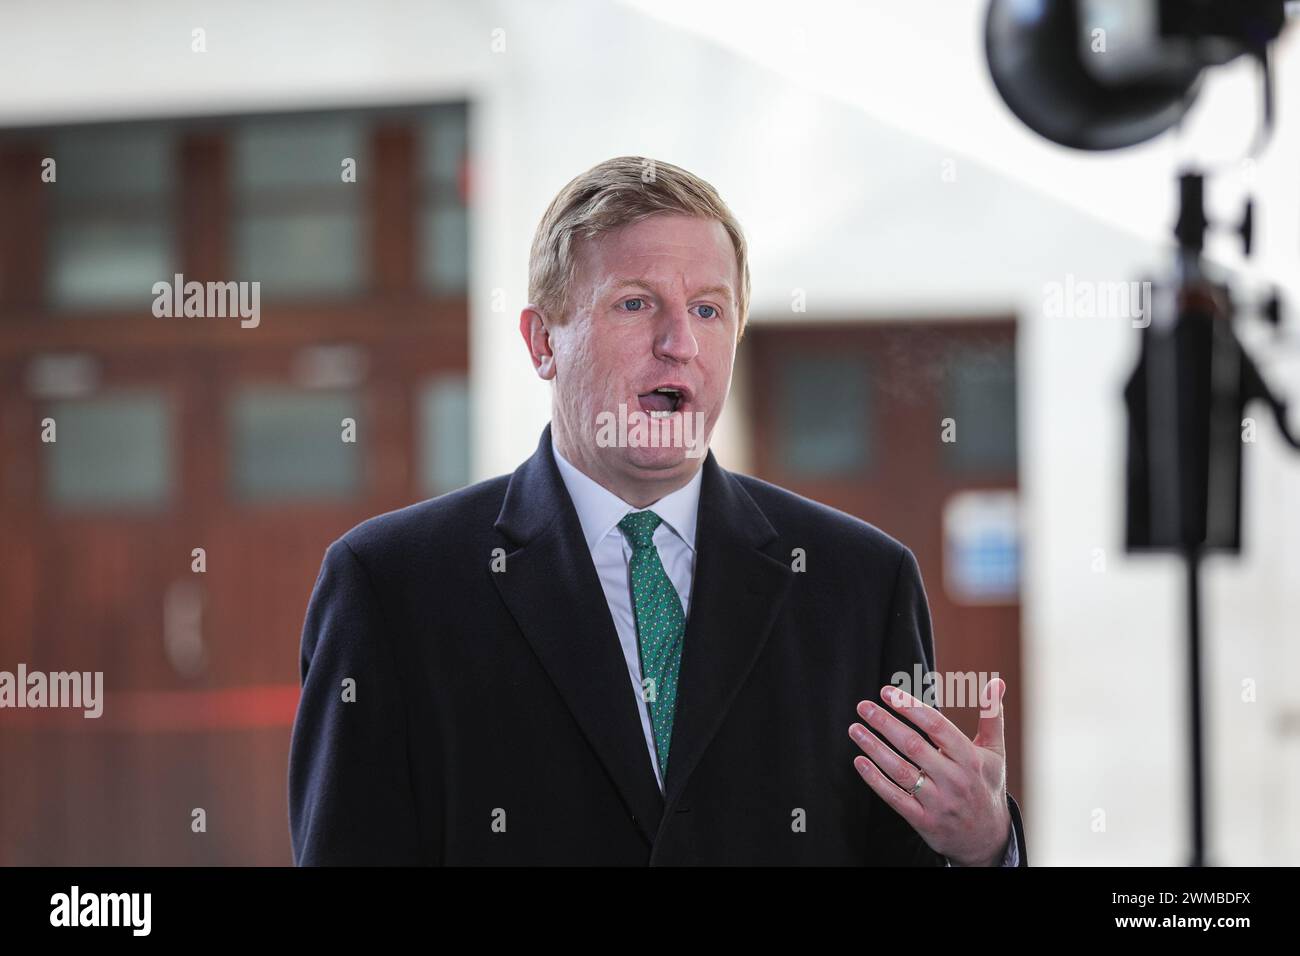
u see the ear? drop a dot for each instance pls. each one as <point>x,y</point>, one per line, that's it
<point>532,326</point>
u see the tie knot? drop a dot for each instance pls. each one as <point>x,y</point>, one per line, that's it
<point>639,526</point>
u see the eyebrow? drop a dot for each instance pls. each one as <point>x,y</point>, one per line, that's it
<point>622,283</point>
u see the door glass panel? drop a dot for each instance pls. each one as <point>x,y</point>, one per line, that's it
<point>288,444</point>
<point>824,415</point>
<point>111,235</point>
<point>110,452</point>
<point>299,226</point>
<point>444,434</point>
<point>980,395</point>
<point>444,218</point>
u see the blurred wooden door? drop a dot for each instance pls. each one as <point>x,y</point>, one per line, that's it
<point>852,415</point>
<point>171,534</point>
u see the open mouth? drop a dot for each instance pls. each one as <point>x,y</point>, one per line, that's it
<point>663,401</point>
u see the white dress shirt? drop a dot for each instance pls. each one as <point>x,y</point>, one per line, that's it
<point>599,512</point>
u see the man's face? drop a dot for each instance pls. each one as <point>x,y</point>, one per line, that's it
<point>653,305</point>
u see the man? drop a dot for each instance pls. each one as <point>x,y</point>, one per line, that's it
<point>612,656</point>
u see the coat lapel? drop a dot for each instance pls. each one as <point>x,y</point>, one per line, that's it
<point>553,593</point>
<point>740,584</point>
<point>551,589</point>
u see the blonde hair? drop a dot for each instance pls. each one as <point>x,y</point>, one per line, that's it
<point>615,193</point>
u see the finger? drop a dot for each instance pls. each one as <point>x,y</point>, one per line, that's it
<point>946,735</point>
<point>899,770</point>
<point>992,729</point>
<point>907,741</point>
<point>907,807</point>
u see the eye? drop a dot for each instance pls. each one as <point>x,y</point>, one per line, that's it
<point>634,308</point>
<point>713,312</point>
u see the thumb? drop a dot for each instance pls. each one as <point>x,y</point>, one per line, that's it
<point>991,732</point>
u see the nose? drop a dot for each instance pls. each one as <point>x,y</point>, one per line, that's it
<point>675,338</point>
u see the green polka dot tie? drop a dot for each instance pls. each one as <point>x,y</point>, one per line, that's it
<point>660,627</point>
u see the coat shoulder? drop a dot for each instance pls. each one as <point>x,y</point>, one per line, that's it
<point>445,524</point>
<point>797,518</point>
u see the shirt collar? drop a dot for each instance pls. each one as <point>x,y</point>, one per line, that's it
<point>600,510</point>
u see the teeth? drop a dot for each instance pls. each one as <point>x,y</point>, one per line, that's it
<point>660,414</point>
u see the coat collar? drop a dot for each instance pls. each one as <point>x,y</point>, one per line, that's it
<point>551,588</point>
<point>600,510</point>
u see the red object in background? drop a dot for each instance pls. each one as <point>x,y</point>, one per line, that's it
<point>169,711</point>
